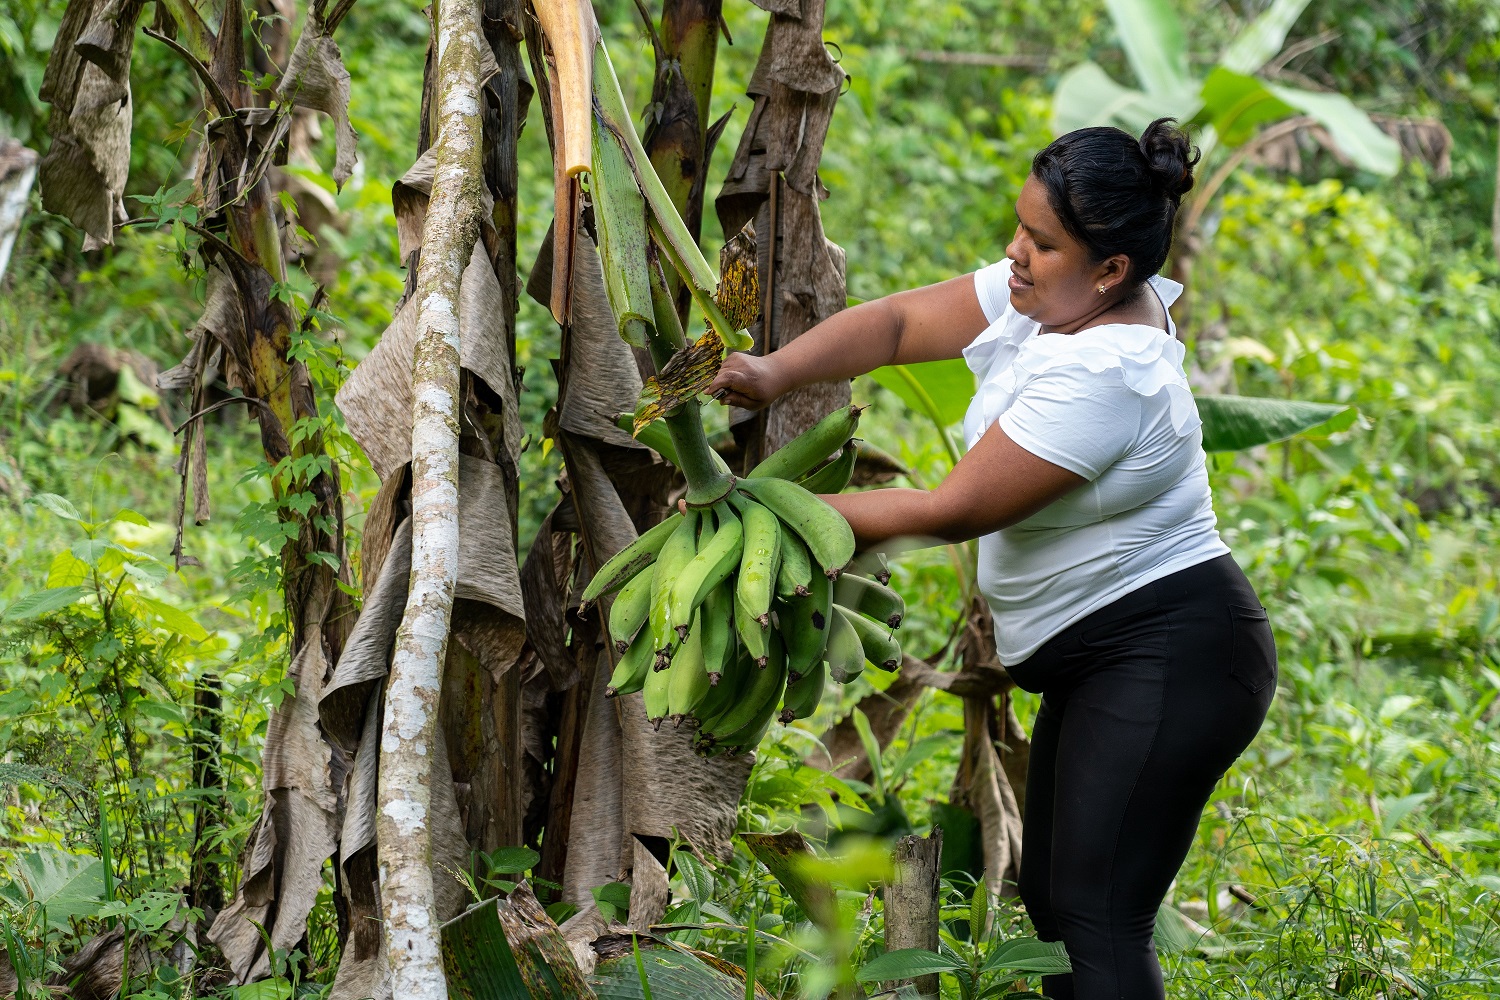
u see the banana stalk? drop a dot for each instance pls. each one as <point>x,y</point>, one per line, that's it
<point>665,223</point>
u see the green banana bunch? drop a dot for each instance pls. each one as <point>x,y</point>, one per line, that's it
<point>747,606</point>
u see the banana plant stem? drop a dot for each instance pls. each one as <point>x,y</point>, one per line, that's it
<point>707,481</point>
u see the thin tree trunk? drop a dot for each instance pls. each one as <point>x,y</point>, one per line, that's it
<point>403,825</point>
<point>911,902</point>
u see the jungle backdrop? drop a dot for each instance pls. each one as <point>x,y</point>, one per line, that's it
<point>1335,256</point>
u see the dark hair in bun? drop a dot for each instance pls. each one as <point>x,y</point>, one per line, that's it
<point>1115,194</point>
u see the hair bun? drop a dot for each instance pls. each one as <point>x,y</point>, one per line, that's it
<point>1170,155</point>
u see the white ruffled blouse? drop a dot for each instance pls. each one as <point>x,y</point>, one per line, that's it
<point>1111,404</point>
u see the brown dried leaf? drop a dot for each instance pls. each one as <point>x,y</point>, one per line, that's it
<point>87,82</point>
<point>297,831</point>
<point>376,400</point>
<point>315,78</point>
<point>738,295</point>
<point>688,373</point>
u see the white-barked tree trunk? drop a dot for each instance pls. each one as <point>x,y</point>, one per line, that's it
<point>408,737</point>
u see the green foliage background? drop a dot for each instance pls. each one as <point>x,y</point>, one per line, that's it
<point>1363,821</point>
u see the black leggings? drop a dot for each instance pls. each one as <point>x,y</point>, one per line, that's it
<point>1145,704</point>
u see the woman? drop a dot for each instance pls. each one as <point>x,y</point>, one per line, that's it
<point>1085,483</point>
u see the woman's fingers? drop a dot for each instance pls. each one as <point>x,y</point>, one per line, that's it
<point>745,380</point>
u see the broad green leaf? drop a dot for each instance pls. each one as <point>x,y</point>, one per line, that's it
<point>905,963</point>
<point>948,384</point>
<point>511,860</point>
<point>1263,38</point>
<point>872,751</point>
<point>1029,955</point>
<point>133,391</point>
<point>266,989</point>
<point>66,570</point>
<point>173,619</point>
<point>699,880</point>
<point>152,910</point>
<point>1350,128</point>
<point>1396,808</point>
<point>67,885</point>
<point>979,910</point>
<point>1087,96</point>
<point>57,505</point>
<point>1234,423</point>
<point>43,602</point>
<point>1151,33</point>
<point>128,516</point>
<point>1237,106</point>
<point>90,550</point>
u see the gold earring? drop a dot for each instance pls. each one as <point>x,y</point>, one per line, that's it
<point>1101,289</point>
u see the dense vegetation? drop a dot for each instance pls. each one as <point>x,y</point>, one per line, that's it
<point>1354,851</point>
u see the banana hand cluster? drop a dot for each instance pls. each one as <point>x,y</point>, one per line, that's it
<point>726,612</point>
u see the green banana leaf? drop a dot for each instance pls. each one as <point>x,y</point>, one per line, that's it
<point>1263,37</point>
<point>672,972</point>
<point>1234,423</point>
<point>509,950</point>
<point>1151,34</point>
<point>947,386</point>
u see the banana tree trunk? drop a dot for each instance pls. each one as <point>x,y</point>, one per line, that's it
<point>403,825</point>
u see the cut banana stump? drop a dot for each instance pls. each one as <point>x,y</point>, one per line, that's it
<point>747,605</point>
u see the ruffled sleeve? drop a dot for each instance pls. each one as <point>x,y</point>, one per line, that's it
<point>1141,360</point>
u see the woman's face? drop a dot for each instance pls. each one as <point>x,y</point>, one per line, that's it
<point>1053,280</point>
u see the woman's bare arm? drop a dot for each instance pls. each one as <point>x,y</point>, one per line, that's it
<point>997,484</point>
<point>923,324</point>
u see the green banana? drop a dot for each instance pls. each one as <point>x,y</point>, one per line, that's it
<point>880,647</point>
<point>675,555</point>
<point>845,654</point>
<point>718,631</point>
<point>631,606</point>
<point>629,561</point>
<point>870,598</point>
<point>687,680</point>
<point>753,635</point>
<point>796,569</point>
<point>726,694</point>
<point>760,559</point>
<point>630,672</point>
<point>835,476</point>
<point>804,626</point>
<point>828,536</point>
<point>802,453</point>
<point>761,696</point>
<point>803,694</point>
<point>717,557</point>
<point>656,694</point>
<point>873,563</point>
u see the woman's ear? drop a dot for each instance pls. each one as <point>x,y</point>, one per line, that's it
<point>1111,273</point>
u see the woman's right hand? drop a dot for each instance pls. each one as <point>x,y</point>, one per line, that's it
<point>747,380</point>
